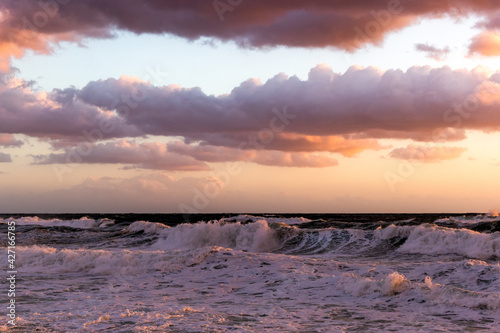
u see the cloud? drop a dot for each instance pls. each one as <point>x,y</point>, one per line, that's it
<point>145,155</point>
<point>209,153</point>
<point>414,104</point>
<point>177,156</point>
<point>329,112</point>
<point>39,25</point>
<point>5,158</point>
<point>54,115</point>
<point>427,154</point>
<point>8,140</point>
<point>286,142</point>
<point>486,43</point>
<point>277,158</point>
<point>433,52</point>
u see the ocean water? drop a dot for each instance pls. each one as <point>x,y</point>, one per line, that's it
<point>255,273</point>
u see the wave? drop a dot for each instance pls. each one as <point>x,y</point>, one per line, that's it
<point>284,235</point>
<point>426,291</point>
<point>258,236</point>
<point>464,220</point>
<point>82,223</point>
<point>434,240</point>
<point>36,259</point>
<point>264,236</point>
<point>422,239</point>
<point>140,263</point>
<point>251,218</point>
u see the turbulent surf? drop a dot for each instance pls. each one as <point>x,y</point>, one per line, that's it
<point>257,273</point>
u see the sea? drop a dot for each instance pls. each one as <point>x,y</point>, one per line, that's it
<point>253,273</point>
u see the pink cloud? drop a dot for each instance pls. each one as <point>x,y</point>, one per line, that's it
<point>329,112</point>
<point>486,43</point>
<point>427,154</point>
<point>303,160</point>
<point>413,104</point>
<point>8,140</point>
<point>144,155</point>
<point>178,156</point>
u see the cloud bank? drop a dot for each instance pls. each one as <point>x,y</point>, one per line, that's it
<point>327,112</point>
<point>285,117</point>
<point>178,156</point>
<point>348,25</point>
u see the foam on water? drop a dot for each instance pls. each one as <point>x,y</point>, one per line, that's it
<point>35,259</point>
<point>492,217</point>
<point>433,240</point>
<point>82,223</point>
<point>256,274</point>
<point>256,236</point>
<point>251,218</point>
<point>263,236</point>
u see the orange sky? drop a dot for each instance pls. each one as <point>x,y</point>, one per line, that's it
<point>382,107</point>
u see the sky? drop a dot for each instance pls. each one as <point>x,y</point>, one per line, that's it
<point>190,106</point>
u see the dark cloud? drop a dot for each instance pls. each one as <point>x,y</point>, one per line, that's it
<point>340,113</point>
<point>55,115</point>
<point>433,51</point>
<point>348,25</point>
<point>422,104</point>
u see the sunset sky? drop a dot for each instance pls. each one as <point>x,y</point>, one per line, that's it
<point>249,106</point>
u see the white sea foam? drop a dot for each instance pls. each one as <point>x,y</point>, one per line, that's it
<point>220,276</point>
<point>149,228</point>
<point>256,236</point>
<point>251,218</point>
<point>259,236</point>
<point>393,284</point>
<point>162,290</point>
<point>436,240</point>
<point>35,259</point>
<point>490,217</point>
<point>82,223</point>
<point>431,239</point>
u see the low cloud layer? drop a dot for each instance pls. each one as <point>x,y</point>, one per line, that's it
<point>324,112</point>
<point>427,154</point>
<point>178,156</point>
<point>146,155</point>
